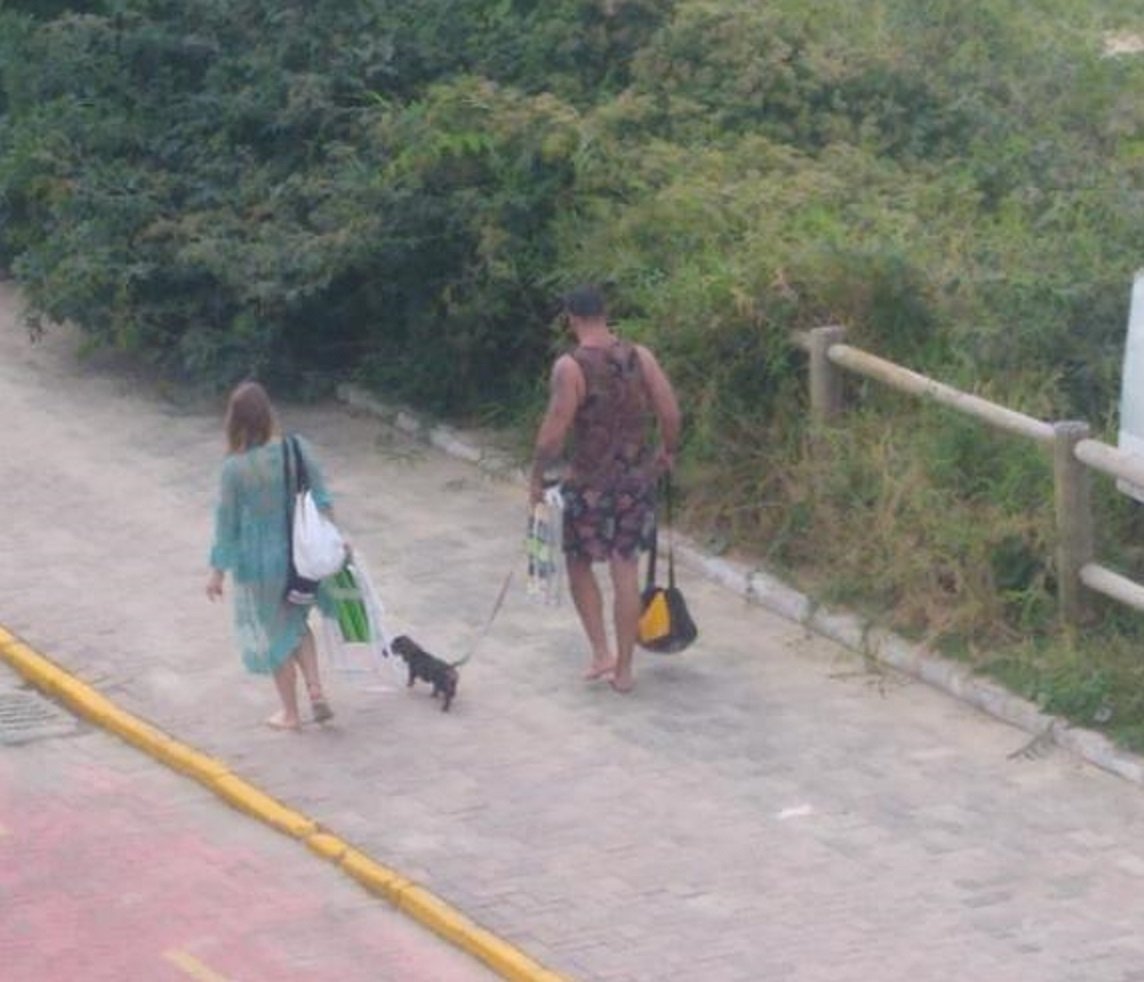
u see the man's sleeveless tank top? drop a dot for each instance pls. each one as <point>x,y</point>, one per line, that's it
<point>610,445</point>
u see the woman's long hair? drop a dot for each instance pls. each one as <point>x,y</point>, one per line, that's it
<point>250,419</point>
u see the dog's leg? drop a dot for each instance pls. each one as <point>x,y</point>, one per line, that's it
<point>450,691</point>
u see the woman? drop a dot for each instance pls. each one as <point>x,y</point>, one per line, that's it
<point>250,542</point>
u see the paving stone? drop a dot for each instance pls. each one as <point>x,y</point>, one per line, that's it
<point>832,824</point>
<point>111,873</point>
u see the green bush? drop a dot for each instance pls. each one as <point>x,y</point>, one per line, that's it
<point>397,193</point>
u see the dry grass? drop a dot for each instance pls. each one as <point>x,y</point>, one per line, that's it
<point>1123,43</point>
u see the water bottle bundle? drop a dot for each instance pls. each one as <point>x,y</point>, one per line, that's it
<point>354,636</point>
<point>543,546</point>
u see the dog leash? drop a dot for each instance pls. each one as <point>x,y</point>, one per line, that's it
<point>499,602</point>
<point>489,621</point>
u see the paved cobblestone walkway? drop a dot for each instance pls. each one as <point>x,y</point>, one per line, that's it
<point>113,869</point>
<point>760,809</point>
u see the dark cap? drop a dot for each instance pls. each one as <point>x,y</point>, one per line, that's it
<point>585,301</point>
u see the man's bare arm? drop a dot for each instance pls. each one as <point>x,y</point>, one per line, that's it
<point>663,402</point>
<point>563,401</point>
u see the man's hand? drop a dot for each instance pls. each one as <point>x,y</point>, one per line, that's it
<point>664,461</point>
<point>214,585</point>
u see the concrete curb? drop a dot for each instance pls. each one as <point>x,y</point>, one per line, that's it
<point>882,646</point>
<point>849,630</point>
<point>422,428</point>
<point>416,901</point>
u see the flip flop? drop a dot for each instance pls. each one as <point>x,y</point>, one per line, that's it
<point>322,711</point>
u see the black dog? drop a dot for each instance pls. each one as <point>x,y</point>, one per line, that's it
<point>422,665</point>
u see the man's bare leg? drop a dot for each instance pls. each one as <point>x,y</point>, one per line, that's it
<point>626,586</point>
<point>590,606</point>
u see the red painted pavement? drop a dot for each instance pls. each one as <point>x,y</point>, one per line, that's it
<point>111,868</point>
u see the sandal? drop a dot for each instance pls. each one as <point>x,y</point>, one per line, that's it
<point>322,711</point>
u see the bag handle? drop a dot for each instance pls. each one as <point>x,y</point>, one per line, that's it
<point>651,562</point>
<point>295,482</point>
<point>288,486</point>
<point>303,475</point>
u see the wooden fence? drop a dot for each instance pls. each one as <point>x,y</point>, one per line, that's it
<point>1074,453</point>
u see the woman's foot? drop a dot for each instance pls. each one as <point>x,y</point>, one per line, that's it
<point>280,721</point>
<point>599,669</point>
<point>622,684</point>
<point>322,711</point>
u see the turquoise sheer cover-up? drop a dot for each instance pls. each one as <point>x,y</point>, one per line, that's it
<point>250,543</point>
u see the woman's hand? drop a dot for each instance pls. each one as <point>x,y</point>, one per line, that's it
<point>214,585</point>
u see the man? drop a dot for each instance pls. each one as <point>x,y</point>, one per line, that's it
<point>607,393</point>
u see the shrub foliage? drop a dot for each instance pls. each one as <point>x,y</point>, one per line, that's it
<point>312,190</point>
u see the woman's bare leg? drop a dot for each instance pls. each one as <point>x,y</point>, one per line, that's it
<point>285,680</point>
<point>307,656</point>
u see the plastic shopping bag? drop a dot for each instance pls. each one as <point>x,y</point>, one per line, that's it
<point>318,547</point>
<point>355,637</point>
<point>349,607</point>
<point>543,545</point>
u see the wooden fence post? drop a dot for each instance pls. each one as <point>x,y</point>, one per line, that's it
<point>825,376</point>
<point>1073,485</point>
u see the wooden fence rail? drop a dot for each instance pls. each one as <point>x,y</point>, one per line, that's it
<point>1074,455</point>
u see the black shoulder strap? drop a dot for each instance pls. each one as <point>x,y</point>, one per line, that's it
<point>288,486</point>
<point>654,545</point>
<point>653,549</point>
<point>303,475</point>
<point>670,538</point>
<point>295,478</point>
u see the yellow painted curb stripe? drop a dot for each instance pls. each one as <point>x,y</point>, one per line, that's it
<point>505,960</point>
<point>193,967</point>
<point>443,919</point>
<point>329,847</point>
<point>192,763</point>
<point>373,876</point>
<point>421,904</point>
<point>249,799</point>
<point>82,699</point>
